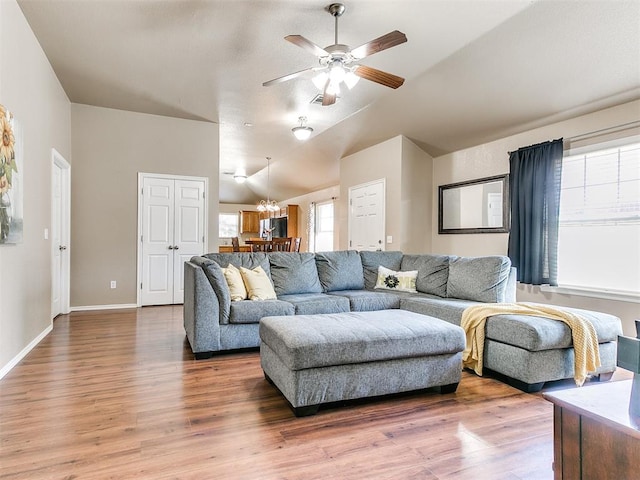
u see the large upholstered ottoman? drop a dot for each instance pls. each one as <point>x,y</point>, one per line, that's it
<point>317,359</point>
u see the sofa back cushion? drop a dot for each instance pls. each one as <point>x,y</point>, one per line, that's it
<point>248,260</point>
<point>483,279</point>
<point>294,273</point>
<point>372,260</point>
<point>433,272</point>
<point>216,278</point>
<point>340,270</point>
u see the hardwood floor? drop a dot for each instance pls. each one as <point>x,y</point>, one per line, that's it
<point>117,395</point>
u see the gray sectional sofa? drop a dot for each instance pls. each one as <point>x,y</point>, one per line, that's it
<point>527,350</point>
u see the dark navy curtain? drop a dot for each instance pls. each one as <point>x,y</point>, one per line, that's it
<point>534,188</point>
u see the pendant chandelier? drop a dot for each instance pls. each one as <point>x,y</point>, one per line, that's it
<point>268,205</point>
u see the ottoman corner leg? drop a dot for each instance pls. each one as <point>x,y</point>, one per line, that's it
<point>450,388</point>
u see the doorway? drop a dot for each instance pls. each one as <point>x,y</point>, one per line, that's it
<point>172,228</point>
<point>367,216</point>
<point>60,233</point>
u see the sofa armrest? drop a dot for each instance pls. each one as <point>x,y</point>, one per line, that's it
<point>201,312</point>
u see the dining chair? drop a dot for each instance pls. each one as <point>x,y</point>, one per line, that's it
<point>281,244</point>
<point>235,244</point>
<point>295,244</point>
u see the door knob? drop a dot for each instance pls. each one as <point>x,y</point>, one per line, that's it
<point>176,247</point>
<point>62,247</point>
<point>170,247</point>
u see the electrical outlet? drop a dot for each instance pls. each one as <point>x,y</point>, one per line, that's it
<point>113,284</point>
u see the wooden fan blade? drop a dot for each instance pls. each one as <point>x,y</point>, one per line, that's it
<point>308,45</point>
<point>378,76</point>
<point>287,77</point>
<point>328,98</point>
<point>381,43</point>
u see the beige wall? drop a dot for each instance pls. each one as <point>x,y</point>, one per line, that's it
<point>407,172</point>
<point>30,89</point>
<point>110,147</point>
<point>492,159</point>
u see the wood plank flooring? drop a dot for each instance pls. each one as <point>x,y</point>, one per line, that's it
<point>117,395</point>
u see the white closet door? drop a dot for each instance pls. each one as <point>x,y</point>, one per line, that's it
<point>366,216</point>
<point>189,230</point>
<point>56,243</point>
<point>173,223</point>
<point>157,241</point>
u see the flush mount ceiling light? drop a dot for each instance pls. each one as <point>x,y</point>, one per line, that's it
<point>240,178</point>
<point>302,132</point>
<point>268,205</point>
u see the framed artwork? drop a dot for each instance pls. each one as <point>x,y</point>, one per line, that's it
<point>11,151</point>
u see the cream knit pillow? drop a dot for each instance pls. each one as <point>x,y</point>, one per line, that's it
<point>235,283</point>
<point>258,284</point>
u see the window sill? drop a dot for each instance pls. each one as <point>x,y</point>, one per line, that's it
<point>618,295</point>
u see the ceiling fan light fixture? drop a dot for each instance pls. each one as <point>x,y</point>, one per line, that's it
<point>351,79</point>
<point>333,88</point>
<point>320,80</point>
<point>336,72</point>
<point>302,132</point>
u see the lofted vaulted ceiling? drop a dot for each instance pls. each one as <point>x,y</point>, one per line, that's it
<point>476,70</point>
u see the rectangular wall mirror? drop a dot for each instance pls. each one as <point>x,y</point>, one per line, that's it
<point>474,206</point>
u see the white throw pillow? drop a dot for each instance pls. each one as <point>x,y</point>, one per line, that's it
<point>400,281</point>
<point>235,283</point>
<point>258,284</point>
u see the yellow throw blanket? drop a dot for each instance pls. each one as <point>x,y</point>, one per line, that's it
<point>585,339</point>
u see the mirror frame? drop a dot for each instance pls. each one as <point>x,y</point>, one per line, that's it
<point>505,206</point>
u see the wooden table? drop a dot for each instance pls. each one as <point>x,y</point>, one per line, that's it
<point>594,435</point>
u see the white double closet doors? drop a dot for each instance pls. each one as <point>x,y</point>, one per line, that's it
<point>172,230</point>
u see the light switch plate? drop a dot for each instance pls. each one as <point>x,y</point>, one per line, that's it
<point>389,239</point>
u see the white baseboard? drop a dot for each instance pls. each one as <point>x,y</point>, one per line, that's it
<point>15,360</point>
<point>104,307</point>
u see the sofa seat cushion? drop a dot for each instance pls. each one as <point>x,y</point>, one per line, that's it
<point>366,300</point>
<point>538,333</point>
<point>310,341</point>
<point>314,303</point>
<point>340,270</point>
<point>251,311</point>
<point>448,309</point>
<point>294,273</point>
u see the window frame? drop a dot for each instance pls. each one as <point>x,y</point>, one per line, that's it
<point>237,222</point>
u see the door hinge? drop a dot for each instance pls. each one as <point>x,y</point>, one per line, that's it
<point>350,243</point>
<point>141,237</point>
<point>140,285</point>
<point>142,191</point>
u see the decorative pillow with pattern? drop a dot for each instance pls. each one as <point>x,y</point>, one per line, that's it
<point>399,281</point>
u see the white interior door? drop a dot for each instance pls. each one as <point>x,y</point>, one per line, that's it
<point>172,231</point>
<point>366,216</point>
<point>188,233</point>
<point>60,228</point>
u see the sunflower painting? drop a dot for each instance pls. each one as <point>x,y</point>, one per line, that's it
<point>10,184</point>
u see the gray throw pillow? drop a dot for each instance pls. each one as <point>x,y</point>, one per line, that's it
<point>483,279</point>
<point>216,278</point>
<point>340,270</point>
<point>372,260</point>
<point>294,273</point>
<point>433,272</point>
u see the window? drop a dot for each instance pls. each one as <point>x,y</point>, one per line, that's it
<point>599,236</point>
<point>324,227</point>
<point>227,225</point>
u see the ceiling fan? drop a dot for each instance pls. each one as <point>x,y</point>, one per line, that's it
<point>335,61</point>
